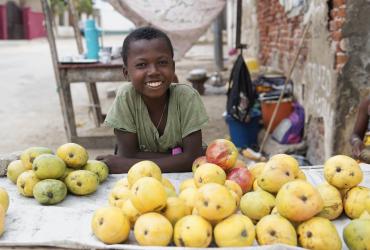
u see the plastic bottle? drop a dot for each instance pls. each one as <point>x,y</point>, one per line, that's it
<point>92,39</point>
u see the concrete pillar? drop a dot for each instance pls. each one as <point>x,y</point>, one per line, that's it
<point>231,14</point>
<point>217,30</point>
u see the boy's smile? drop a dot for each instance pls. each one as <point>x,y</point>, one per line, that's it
<point>153,84</point>
<point>150,67</point>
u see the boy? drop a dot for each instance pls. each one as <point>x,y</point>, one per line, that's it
<point>152,118</point>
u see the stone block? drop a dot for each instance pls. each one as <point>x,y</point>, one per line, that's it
<point>5,159</point>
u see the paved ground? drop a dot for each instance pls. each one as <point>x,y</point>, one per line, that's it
<point>29,105</point>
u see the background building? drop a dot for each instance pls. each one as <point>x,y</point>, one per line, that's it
<point>20,19</point>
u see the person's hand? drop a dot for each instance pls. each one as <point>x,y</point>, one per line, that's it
<point>116,164</point>
<point>107,159</point>
<point>357,147</point>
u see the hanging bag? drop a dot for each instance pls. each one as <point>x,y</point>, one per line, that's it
<point>240,94</point>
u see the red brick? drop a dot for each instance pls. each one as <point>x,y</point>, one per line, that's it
<point>338,3</point>
<point>334,13</point>
<point>336,35</point>
<point>341,58</point>
<point>341,12</point>
<point>339,22</point>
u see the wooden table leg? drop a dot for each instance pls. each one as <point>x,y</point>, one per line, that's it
<point>68,113</point>
<point>94,102</point>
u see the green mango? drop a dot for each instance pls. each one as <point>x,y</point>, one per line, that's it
<point>356,234</point>
<point>82,182</point>
<point>47,166</point>
<point>49,191</point>
<point>31,153</point>
<point>99,168</point>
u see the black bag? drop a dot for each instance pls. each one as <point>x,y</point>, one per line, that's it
<point>240,94</point>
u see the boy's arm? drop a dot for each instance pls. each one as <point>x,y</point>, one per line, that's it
<point>181,162</point>
<point>129,154</point>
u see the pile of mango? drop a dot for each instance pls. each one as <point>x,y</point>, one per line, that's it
<point>48,177</point>
<point>274,204</point>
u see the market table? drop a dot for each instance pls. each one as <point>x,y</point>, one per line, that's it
<point>68,224</point>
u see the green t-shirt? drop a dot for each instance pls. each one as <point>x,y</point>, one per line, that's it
<point>186,114</point>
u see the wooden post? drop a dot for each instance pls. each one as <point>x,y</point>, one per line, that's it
<point>54,57</point>
<point>92,92</point>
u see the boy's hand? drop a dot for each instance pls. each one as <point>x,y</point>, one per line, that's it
<point>116,164</point>
<point>107,159</point>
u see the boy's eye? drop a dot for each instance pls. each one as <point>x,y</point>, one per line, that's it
<point>140,65</point>
<point>163,62</point>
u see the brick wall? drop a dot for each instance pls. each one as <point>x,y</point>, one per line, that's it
<point>337,19</point>
<point>280,35</point>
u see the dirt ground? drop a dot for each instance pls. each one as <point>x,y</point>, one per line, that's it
<point>29,104</point>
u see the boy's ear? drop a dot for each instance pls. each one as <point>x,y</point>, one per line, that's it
<point>125,73</point>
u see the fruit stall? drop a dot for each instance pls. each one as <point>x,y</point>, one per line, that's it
<point>222,203</point>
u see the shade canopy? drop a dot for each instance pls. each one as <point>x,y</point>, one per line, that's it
<point>183,20</point>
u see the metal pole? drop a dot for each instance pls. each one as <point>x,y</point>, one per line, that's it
<point>238,29</point>
<point>217,29</point>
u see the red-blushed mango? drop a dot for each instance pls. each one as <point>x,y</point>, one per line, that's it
<point>223,153</point>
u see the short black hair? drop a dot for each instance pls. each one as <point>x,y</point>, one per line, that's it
<point>147,33</point>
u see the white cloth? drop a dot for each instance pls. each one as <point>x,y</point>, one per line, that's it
<point>183,20</point>
<point>68,224</point>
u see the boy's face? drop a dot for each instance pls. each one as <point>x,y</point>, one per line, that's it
<point>150,67</point>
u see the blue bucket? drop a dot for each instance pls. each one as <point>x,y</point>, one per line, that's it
<point>243,135</point>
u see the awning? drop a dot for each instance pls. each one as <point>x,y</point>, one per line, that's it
<point>183,20</point>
